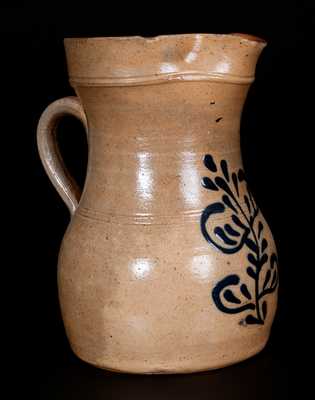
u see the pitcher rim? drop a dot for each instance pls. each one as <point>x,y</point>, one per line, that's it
<point>152,39</point>
<point>139,60</point>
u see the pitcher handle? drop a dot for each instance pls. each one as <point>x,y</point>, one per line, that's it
<point>49,151</point>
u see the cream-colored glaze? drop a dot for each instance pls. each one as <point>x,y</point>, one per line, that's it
<point>135,273</point>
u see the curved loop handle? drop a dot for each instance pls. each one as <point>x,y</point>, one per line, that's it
<point>49,151</point>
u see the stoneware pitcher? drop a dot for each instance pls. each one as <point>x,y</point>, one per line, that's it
<point>167,265</point>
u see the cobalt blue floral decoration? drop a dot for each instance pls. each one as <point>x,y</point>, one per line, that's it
<point>244,230</point>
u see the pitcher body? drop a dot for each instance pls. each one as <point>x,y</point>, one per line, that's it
<point>167,265</point>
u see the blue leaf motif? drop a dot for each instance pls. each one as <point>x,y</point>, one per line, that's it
<point>264,245</point>
<point>246,199</point>
<point>235,183</point>
<point>250,271</point>
<point>231,231</point>
<point>229,296</point>
<point>252,259</point>
<point>267,279</point>
<point>264,309</point>
<point>251,245</point>
<point>223,185</point>
<point>208,184</point>
<point>225,170</point>
<point>274,279</point>
<point>251,320</point>
<point>209,163</point>
<point>241,175</point>
<point>263,260</point>
<point>226,200</point>
<point>245,291</point>
<point>222,235</point>
<point>260,229</point>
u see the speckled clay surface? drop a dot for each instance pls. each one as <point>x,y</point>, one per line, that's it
<point>141,275</point>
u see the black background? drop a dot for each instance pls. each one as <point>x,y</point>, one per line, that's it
<point>35,75</point>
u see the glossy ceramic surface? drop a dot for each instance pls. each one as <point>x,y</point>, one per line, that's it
<point>167,265</point>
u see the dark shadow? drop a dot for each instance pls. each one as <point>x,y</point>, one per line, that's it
<point>256,379</point>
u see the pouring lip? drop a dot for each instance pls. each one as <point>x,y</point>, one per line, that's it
<point>248,37</point>
<point>244,37</point>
